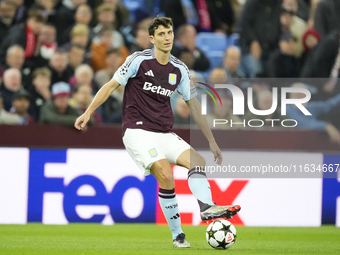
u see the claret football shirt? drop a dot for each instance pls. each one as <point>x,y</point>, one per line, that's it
<point>148,88</point>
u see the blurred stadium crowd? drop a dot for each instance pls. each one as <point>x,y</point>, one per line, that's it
<point>56,54</point>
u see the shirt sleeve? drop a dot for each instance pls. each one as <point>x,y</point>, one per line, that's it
<point>127,70</point>
<point>186,87</point>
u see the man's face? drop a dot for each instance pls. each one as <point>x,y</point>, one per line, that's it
<point>106,17</point>
<point>7,12</point>
<point>35,25</point>
<point>232,60</point>
<point>311,41</point>
<point>61,102</point>
<point>76,56</point>
<point>47,34</point>
<point>81,40</point>
<point>21,105</point>
<point>83,95</point>
<point>142,39</point>
<point>12,81</point>
<point>16,58</point>
<point>106,38</point>
<point>288,47</point>
<point>189,39</point>
<point>84,77</point>
<point>41,82</point>
<point>286,20</point>
<point>113,60</point>
<point>59,62</point>
<point>163,38</point>
<point>83,15</point>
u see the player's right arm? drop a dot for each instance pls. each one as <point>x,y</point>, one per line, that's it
<point>98,100</point>
<point>121,77</point>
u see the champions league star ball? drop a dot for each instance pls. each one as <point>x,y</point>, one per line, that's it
<point>221,234</point>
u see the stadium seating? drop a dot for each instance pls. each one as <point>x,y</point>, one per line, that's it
<point>234,40</point>
<point>213,45</point>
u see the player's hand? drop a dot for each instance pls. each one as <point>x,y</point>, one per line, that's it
<point>80,123</point>
<point>217,153</point>
<point>333,133</point>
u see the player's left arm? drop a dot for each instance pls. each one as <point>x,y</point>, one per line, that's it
<point>201,121</point>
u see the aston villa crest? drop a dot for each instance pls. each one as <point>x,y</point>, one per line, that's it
<point>172,78</point>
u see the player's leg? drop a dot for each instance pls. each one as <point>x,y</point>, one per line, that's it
<point>162,170</point>
<point>200,187</point>
<point>145,149</point>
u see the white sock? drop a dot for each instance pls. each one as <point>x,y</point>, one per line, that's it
<point>169,205</point>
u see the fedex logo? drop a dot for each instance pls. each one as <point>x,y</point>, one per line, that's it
<point>157,89</point>
<point>88,186</point>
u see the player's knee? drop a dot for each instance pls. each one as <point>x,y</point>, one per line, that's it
<point>198,161</point>
<point>166,177</point>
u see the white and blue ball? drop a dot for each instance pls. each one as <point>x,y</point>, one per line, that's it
<point>221,234</point>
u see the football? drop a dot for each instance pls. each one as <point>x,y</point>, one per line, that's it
<point>221,234</point>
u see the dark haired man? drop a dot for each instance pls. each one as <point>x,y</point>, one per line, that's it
<point>25,35</point>
<point>150,78</point>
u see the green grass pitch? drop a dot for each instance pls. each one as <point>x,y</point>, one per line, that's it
<point>84,239</point>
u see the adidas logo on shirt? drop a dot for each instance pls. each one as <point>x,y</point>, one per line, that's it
<point>149,73</point>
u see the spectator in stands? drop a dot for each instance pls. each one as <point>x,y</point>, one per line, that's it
<point>80,35</point>
<point>318,109</point>
<point>57,109</point>
<point>223,112</point>
<point>231,63</point>
<point>113,61</point>
<point>310,42</point>
<point>326,53</point>
<point>40,90</point>
<point>263,100</point>
<point>7,118</point>
<point>65,15</point>
<point>82,98</point>
<point>121,13</point>
<point>59,67</point>
<point>47,42</point>
<point>15,58</point>
<point>327,18</point>
<point>20,105</point>
<point>11,85</point>
<point>260,31</point>
<point>76,55</point>
<point>299,7</point>
<point>25,35</point>
<point>282,63</point>
<point>51,9</point>
<point>83,75</point>
<point>83,17</point>
<point>100,48</point>
<point>224,16</point>
<point>291,22</point>
<point>187,57</point>
<point>142,41</point>
<point>186,37</point>
<point>218,76</point>
<point>105,17</point>
<point>7,13</point>
<point>181,112</point>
